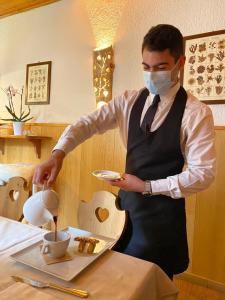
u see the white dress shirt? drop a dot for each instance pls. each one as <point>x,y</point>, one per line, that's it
<point>197,138</point>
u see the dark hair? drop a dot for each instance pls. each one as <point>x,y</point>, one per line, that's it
<point>162,37</point>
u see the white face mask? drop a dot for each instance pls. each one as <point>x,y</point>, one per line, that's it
<point>159,82</point>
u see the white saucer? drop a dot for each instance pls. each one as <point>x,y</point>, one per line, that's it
<point>106,175</point>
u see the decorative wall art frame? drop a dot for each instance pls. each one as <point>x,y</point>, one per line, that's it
<point>204,70</point>
<point>38,83</point>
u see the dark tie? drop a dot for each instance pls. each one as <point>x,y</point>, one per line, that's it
<point>150,114</point>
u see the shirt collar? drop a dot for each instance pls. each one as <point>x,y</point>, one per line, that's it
<point>169,96</point>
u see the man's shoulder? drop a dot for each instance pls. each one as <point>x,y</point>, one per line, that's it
<point>130,94</point>
<point>128,97</point>
<point>195,106</point>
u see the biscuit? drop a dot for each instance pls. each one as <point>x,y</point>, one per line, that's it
<point>86,240</point>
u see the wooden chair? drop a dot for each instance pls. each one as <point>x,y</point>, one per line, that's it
<point>102,216</point>
<point>13,194</point>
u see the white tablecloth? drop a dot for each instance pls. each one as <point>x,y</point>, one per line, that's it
<point>13,233</point>
<point>113,276</point>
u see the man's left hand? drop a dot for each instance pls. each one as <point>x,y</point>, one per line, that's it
<point>129,183</point>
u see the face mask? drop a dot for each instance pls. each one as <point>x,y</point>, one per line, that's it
<point>159,82</point>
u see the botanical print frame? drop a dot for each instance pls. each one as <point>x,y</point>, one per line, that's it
<point>38,82</point>
<point>204,71</point>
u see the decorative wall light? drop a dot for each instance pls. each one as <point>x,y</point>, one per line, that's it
<point>104,17</point>
<point>103,75</point>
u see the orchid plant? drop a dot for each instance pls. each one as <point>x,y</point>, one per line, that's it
<point>22,115</point>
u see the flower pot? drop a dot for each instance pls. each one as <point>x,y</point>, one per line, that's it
<point>18,128</point>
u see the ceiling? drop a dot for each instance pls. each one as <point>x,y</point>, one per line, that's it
<point>11,7</point>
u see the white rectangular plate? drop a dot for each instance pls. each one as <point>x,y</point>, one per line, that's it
<point>67,270</point>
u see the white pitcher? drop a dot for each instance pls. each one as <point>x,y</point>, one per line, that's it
<point>41,207</point>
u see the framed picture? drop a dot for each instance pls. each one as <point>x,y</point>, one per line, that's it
<point>204,70</point>
<point>38,82</point>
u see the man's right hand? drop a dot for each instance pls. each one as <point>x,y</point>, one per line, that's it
<point>46,173</point>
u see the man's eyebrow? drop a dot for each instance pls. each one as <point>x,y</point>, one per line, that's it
<point>157,65</point>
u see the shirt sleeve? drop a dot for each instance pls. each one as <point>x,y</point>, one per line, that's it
<point>200,158</point>
<point>98,121</point>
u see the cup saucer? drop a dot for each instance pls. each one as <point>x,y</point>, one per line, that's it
<point>106,175</point>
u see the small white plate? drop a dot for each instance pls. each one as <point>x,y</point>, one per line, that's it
<point>106,175</point>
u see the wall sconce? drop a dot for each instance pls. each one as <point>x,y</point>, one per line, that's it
<point>103,68</point>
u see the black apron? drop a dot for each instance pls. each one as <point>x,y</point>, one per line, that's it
<point>156,227</point>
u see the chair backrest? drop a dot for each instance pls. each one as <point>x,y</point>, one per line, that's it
<point>13,194</point>
<point>101,215</point>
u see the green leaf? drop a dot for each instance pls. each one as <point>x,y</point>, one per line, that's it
<point>7,119</point>
<point>24,116</point>
<point>27,119</point>
<point>15,118</point>
<point>9,109</point>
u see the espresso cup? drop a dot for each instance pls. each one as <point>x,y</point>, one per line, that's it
<point>56,248</point>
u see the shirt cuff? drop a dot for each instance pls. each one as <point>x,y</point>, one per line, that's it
<point>58,147</point>
<point>168,186</point>
<point>159,186</point>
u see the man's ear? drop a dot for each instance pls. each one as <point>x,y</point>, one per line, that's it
<point>182,61</point>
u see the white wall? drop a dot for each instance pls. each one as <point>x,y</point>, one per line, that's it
<point>61,32</point>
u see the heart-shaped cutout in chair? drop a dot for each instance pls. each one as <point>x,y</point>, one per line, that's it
<point>102,214</point>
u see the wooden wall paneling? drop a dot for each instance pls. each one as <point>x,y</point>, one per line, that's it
<point>119,153</point>
<point>99,153</point>
<point>67,185</point>
<point>209,237</point>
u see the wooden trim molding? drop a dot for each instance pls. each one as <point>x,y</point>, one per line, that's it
<point>8,8</point>
<point>49,124</point>
<point>202,281</point>
<point>221,127</point>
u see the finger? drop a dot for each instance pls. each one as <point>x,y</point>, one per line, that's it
<point>119,184</point>
<point>36,176</point>
<point>52,177</point>
<point>117,180</point>
<point>112,182</point>
<point>40,177</point>
<point>49,182</point>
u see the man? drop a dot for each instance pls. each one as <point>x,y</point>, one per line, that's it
<point>162,127</point>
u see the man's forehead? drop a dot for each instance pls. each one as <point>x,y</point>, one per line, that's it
<point>157,57</point>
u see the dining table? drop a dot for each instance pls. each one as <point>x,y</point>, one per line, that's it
<point>112,276</point>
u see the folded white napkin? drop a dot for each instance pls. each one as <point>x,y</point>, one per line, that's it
<point>24,170</point>
<point>22,291</point>
<point>2,182</point>
<point>11,237</point>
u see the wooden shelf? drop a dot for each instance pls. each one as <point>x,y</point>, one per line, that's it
<point>34,139</point>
